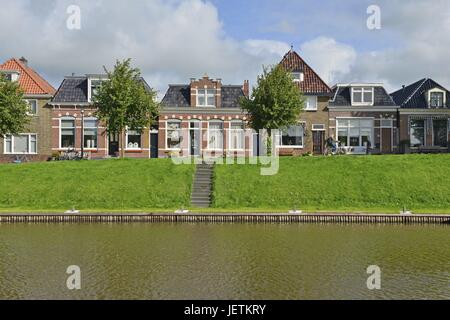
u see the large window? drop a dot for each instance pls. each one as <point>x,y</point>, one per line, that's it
<point>237,137</point>
<point>134,140</point>
<point>355,132</point>
<point>67,133</point>
<point>32,107</point>
<point>90,133</point>
<point>206,97</point>
<point>215,135</point>
<point>21,144</point>
<point>440,134</point>
<point>362,96</point>
<point>174,134</point>
<point>436,99</point>
<point>292,137</point>
<point>417,133</point>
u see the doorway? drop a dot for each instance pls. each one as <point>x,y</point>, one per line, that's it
<point>113,145</point>
<point>318,141</point>
<point>195,138</point>
<point>154,144</point>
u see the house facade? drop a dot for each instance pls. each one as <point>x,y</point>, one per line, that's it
<point>363,119</point>
<point>204,118</point>
<point>35,142</point>
<point>310,134</point>
<point>74,124</point>
<point>424,115</point>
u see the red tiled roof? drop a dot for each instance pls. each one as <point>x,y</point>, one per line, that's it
<point>29,80</point>
<point>312,82</point>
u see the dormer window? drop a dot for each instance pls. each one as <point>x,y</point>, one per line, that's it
<point>437,99</point>
<point>206,98</point>
<point>298,76</point>
<point>11,76</point>
<point>362,96</point>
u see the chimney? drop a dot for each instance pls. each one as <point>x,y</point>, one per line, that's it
<point>246,88</point>
<point>24,61</point>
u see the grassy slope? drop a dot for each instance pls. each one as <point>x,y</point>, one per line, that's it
<point>95,185</point>
<point>374,183</point>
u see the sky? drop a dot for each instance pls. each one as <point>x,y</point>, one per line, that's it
<point>171,41</point>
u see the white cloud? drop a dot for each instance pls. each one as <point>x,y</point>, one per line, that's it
<point>170,41</point>
<point>328,58</point>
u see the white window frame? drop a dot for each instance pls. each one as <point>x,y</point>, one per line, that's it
<point>29,135</point>
<point>279,139</point>
<point>298,76</point>
<point>362,90</point>
<point>126,140</point>
<point>318,127</point>
<point>220,130</point>
<point>96,130</point>
<point>349,127</point>
<point>236,131</point>
<point>425,129</point>
<point>29,104</point>
<point>74,131</point>
<point>307,105</point>
<point>437,90</point>
<point>206,95</point>
<point>180,134</point>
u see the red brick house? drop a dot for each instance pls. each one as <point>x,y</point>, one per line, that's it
<point>363,118</point>
<point>34,143</point>
<point>312,130</point>
<point>74,123</point>
<point>204,118</point>
<point>424,116</point>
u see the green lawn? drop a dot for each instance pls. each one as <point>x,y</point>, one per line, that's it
<point>111,185</point>
<point>340,184</point>
<point>347,183</point>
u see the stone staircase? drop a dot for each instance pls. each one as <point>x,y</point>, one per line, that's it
<point>202,187</point>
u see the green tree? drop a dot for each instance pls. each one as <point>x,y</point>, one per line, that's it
<point>13,108</point>
<point>124,101</point>
<point>276,102</point>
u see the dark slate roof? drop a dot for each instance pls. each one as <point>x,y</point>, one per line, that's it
<point>414,95</point>
<point>231,96</point>
<point>179,96</point>
<point>72,89</point>
<point>312,83</point>
<point>342,97</point>
<point>75,90</point>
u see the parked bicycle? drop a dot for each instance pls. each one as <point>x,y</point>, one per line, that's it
<point>72,154</point>
<point>21,159</point>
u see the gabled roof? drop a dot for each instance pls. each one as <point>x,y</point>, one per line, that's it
<point>179,96</point>
<point>342,96</point>
<point>29,80</point>
<point>414,95</point>
<point>74,89</point>
<point>312,83</point>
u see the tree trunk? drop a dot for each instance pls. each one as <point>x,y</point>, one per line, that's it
<point>122,143</point>
<point>269,142</point>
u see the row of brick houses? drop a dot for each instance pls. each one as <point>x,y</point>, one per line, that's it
<point>203,117</point>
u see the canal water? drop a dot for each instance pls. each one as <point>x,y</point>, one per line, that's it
<point>224,261</point>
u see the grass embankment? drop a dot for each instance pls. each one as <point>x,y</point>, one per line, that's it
<point>339,184</point>
<point>95,186</point>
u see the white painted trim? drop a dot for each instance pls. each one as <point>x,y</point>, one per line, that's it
<point>363,90</point>
<point>29,144</point>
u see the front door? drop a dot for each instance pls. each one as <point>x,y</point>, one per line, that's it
<point>154,145</point>
<point>113,144</point>
<point>318,142</point>
<point>195,138</point>
<point>386,140</point>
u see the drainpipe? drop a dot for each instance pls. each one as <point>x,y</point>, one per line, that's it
<point>82,132</point>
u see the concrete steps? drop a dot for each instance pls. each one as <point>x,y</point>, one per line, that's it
<point>202,186</point>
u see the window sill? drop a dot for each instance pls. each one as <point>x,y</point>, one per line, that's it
<point>290,147</point>
<point>134,150</point>
<point>310,110</point>
<point>20,154</point>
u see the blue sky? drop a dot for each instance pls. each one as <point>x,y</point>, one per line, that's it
<point>174,40</point>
